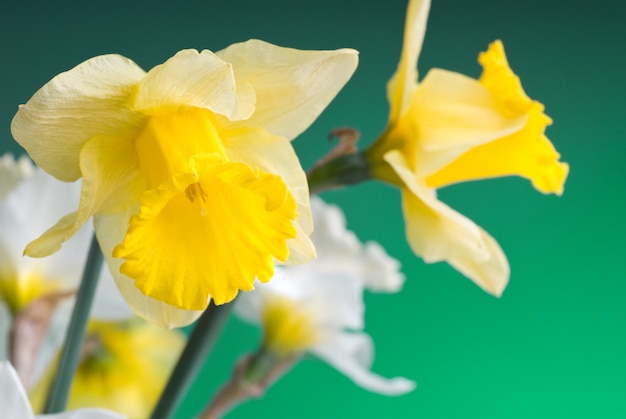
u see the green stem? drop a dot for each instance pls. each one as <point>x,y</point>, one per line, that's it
<point>347,169</point>
<point>60,388</point>
<point>195,353</point>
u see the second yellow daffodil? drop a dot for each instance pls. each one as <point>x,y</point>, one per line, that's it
<point>451,128</point>
<point>188,170</point>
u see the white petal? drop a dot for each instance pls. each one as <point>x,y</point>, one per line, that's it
<point>351,354</point>
<point>111,230</point>
<point>84,414</point>
<point>90,99</point>
<point>195,79</point>
<point>13,399</point>
<point>292,86</point>
<point>402,85</point>
<point>12,172</point>
<point>381,272</point>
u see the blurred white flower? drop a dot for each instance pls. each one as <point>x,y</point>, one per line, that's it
<point>318,307</point>
<point>15,404</point>
<point>31,200</point>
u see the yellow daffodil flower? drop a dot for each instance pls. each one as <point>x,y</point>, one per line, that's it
<point>124,366</point>
<point>451,128</point>
<point>188,168</point>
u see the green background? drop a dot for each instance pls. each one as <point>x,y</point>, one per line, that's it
<point>554,346</point>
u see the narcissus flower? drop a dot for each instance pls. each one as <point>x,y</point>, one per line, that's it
<point>188,168</point>
<point>123,367</point>
<point>15,404</point>
<point>451,128</point>
<point>318,307</point>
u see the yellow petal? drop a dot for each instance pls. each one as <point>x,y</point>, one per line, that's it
<point>191,241</point>
<point>292,86</point>
<point>435,231</point>
<point>111,230</point>
<point>288,327</point>
<point>527,152</point>
<point>193,79</point>
<point>272,154</point>
<point>64,114</point>
<point>452,113</point>
<point>492,274</point>
<point>111,182</point>
<point>403,83</point>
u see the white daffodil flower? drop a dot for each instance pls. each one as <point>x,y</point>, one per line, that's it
<point>318,307</point>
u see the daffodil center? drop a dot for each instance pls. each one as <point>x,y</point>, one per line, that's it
<point>169,140</point>
<point>289,328</point>
<point>17,293</point>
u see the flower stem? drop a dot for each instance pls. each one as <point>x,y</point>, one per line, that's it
<point>60,388</point>
<point>347,169</point>
<point>196,351</point>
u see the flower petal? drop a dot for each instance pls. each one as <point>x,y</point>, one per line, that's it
<point>435,231</point>
<point>272,154</point>
<point>90,99</point>
<point>111,182</point>
<point>527,152</point>
<point>13,398</point>
<point>452,113</point>
<point>227,225</point>
<point>351,354</point>
<point>111,230</point>
<point>5,327</point>
<point>403,83</point>
<point>292,87</point>
<point>12,172</point>
<point>492,275</point>
<point>195,79</point>
<point>84,414</point>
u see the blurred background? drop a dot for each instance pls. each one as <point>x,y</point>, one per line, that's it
<point>554,345</point>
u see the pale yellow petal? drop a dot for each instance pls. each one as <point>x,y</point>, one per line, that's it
<point>292,86</point>
<point>492,274</point>
<point>88,100</point>
<point>402,85</point>
<point>111,182</point>
<point>194,79</point>
<point>452,113</point>
<point>111,230</point>
<point>435,231</point>
<point>272,154</point>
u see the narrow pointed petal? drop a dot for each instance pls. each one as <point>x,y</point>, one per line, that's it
<point>492,275</point>
<point>111,230</point>
<point>292,87</point>
<point>194,79</point>
<point>452,113</point>
<point>273,154</point>
<point>403,83</point>
<point>111,182</point>
<point>435,231</point>
<point>88,100</point>
<point>351,354</point>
